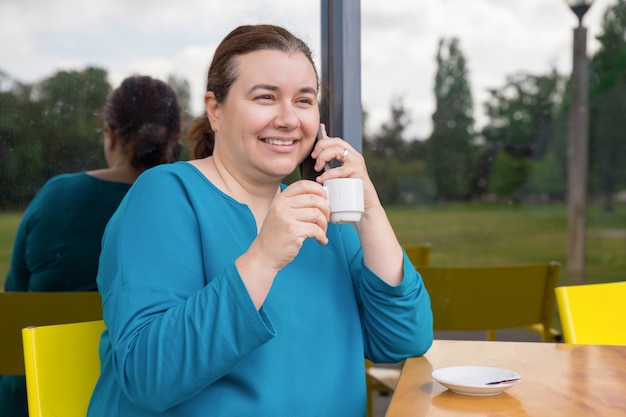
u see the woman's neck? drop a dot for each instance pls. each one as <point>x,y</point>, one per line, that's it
<point>123,173</point>
<point>258,196</point>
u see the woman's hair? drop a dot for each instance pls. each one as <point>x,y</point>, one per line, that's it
<point>223,71</point>
<point>145,115</point>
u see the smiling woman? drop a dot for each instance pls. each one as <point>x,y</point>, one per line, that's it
<point>214,294</point>
<point>398,41</point>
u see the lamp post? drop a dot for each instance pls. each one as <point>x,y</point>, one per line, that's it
<point>577,148</point>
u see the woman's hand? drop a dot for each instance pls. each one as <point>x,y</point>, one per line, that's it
<point>381,251</point>
<point>299,212</point>
<point>352,165</point>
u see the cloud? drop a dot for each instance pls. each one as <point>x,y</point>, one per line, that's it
<point>399,41</point>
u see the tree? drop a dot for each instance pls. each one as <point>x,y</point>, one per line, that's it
<point>389,141</point>
<point>21,152</point>
<point>49,128</point>
<point>608,106</point>
<point>450,153</point>
<point>522,124</point>
<point>512,174</point>
<point>181,86</point>
<point>391,158</point>
<point>71,102</point>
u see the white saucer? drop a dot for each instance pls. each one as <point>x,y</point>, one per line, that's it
<point>473,380</point>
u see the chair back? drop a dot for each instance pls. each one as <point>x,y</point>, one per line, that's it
<point>490,298</point>
<point>418,254</point>
<point>62,367</point>
<point>22,309</point>
<point>593,313</point>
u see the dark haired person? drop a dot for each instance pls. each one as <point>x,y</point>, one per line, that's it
<point>57,244</point>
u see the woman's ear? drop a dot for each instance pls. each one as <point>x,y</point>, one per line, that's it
<point>213,110</point>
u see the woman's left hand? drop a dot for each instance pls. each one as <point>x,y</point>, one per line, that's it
<point>352,165</point>
<point>381,250</point>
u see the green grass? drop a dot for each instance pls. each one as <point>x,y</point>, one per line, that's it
<point>8,226</point>
<point>500,234</point>
<point>479,234</point>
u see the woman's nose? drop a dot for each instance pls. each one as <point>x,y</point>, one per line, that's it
<point>287,117</point>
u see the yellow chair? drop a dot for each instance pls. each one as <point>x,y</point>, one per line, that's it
<point>490,298</point>
<point>484,298</point>
<point>62,367</point>
<point>593,313</point>
<point>384,379</point>
<point>22,309</point>
<point>418,254</point>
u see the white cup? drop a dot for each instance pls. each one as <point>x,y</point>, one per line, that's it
<point>345,197</point>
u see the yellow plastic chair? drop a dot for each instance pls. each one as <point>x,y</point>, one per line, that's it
<point>593,313</point>
<point>381,379</point>
<point>22,309</point>
<point>62,367</point>
<point>491,298</point>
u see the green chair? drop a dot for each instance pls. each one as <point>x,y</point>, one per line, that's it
<point>491,298</point>
<point>593,313</point>
<point>62,367</point>
<point>22,309</point>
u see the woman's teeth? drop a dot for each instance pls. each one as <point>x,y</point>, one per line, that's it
<point>279,142</point>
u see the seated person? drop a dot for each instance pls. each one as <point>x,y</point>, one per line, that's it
<point>57,244</point>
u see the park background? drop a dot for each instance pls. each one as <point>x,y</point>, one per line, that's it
<point>488,194</point>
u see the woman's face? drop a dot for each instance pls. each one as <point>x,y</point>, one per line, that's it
<point>270,118</point>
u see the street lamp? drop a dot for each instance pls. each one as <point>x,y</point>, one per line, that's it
<point>577,148</point>
<point>579,7</point>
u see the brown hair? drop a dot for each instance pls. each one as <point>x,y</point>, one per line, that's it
<point>145,114</point>
<point>223,72</point>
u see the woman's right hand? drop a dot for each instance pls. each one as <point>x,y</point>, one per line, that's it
<point>299,212</point>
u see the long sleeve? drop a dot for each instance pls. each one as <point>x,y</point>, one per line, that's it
<point>177,327</point>
<point>397,321</point>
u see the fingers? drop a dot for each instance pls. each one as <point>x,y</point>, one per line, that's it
<point>350,162</point>
<point>306,204</point>
<point>299,212</point>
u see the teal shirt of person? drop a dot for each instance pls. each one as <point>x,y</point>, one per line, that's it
<point>57,244</point>
<point>56,248</point>
<point>184,338</point>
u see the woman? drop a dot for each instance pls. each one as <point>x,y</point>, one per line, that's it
<point>234,296</point>
<point>57,244</point>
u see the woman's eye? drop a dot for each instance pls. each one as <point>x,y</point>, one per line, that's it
<point>264,97</point>
<point>305,100</point>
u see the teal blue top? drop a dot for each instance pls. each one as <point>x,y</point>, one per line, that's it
<point>184,338</point>
<point>57,243</point>
<point>56,248</point>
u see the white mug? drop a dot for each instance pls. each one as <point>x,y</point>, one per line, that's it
<point>345,197</point>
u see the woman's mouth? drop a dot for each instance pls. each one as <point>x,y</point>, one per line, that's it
<point>279,142</point>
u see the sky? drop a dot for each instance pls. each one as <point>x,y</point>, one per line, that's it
<point>399,41</point>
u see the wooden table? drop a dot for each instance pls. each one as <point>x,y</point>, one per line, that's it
<point>557,380</point>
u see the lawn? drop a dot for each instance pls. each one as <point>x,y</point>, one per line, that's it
<point>8,226</point>
<point>499,234</point>
<point>480,234</point>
